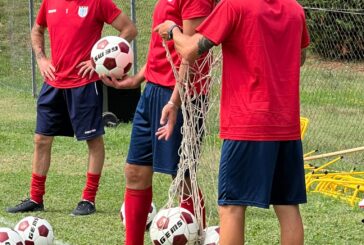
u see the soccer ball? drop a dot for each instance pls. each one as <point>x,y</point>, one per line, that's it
<point>176,226</point>
<point>361,204</point>
<point>10,237</point>
<point>36,231</point>
<point>112,55</point>
<point>212,235</point>
<point>151,215</point>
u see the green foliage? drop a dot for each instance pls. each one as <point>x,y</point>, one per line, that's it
<point>336,28</point>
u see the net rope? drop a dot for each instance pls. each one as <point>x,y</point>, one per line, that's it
<point>195,91</point>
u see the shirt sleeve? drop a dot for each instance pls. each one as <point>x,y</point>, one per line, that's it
<point>305,36</point>
<point>217,26</point>
<point>42,13</point>
<point>108,11</point>
<point>191,9</point>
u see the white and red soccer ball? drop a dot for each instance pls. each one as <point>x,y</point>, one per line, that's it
<point>176,226</point>
<point>212,235</point>
<point>35,231</point>
<point>361,204</point>
<point>152,213</point>
<point>112,55</point>
<point>10,237</point>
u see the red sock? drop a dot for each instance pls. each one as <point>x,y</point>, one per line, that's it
<point>187,203</point>
<point>137,206</point>
<point>92,184</point>
<point>37,188</point>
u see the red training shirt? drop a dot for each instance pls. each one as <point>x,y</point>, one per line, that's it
<point>158,69</point>
<point>74,27</point>
<point>261,45</point>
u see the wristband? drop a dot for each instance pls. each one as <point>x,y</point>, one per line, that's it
<point>170,31</point>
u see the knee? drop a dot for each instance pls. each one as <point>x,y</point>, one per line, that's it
<point>96,143</point>
<point>42,141</point>
<point>232,211</point>
<point>139,177</point>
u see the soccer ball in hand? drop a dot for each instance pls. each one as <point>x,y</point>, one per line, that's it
<point>112,55</point>
<point>212,235</point>
<point>35,231</point>
<point>176,226</point>
<point>151,215</point>
<point>10,237</point>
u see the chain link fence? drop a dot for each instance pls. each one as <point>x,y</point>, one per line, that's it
<point>332,84</point>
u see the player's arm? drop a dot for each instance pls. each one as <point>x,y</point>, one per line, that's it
<point>189,27</point>
<point>127,82</point>
<point>45,66</point>
<point>170,110</point>
<point>303,56</point>
<point>189,47</point>
<point>125,26</point>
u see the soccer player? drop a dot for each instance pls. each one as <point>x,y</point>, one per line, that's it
<point>70,101</point>
<point>147,154</point>
<point>263,46</point>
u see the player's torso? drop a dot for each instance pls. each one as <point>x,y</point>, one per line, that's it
<point>73,18</point>
<point>260,99</point>
<point>159,70</point>
<point>158,67</point>
<point>73,28</point>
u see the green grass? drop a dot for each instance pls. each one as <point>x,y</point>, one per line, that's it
<point>327,220</point>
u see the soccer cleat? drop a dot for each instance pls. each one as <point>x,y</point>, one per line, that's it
<point>84,208</point>
<point>26,205</point>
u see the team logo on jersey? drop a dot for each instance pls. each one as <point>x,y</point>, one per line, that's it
<point>82,11</point>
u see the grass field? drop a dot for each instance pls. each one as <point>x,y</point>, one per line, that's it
<point>327,220</point>
<point>332,98</point>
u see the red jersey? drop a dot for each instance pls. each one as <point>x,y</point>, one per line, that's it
<point>261,45</point>
<point>74,27</point>
<point>158,69</point>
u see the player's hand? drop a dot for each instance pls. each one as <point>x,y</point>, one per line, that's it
<point>126,82</point>
<point>85,68</point>
<point>168,121</point>
<point>163,28</point>
<point>46,68</point>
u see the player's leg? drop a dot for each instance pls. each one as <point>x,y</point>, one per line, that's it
<point>40,166</point>
<point>139,172</point>
<point>291,224</point>
<point>85,111</point>
<point>288,191</point>
<point>137,198</point>
<point>232,223</point>
<point>96,158</point>
<point>245,178</point>
<point>52,120</point>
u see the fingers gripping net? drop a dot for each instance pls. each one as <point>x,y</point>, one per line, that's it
<point>194,86</point>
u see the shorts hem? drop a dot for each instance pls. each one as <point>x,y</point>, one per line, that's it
<point>164,171</point>
<point>242,203</point>
<point>294,202</point>
<point>136,162</point>
<point>54,134</point>
<point>90,137</point>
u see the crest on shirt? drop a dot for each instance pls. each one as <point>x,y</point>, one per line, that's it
<point>82,11</point>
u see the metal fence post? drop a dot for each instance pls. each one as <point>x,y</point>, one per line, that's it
<point>134,44</point>
<point>32,59</point>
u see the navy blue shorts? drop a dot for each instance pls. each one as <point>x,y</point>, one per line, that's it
<point>260,173</point>
<point>70,112</point>
<point>145,148</point>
